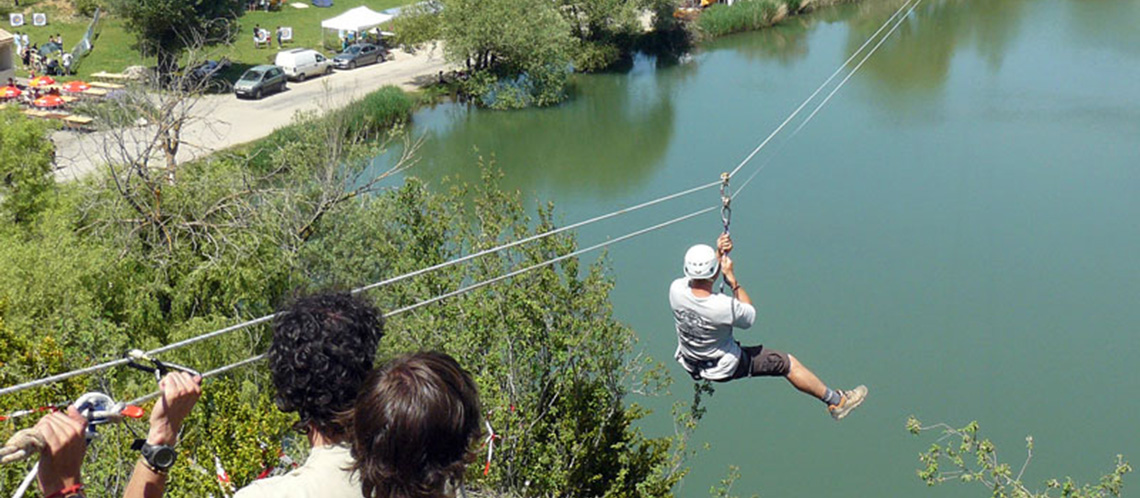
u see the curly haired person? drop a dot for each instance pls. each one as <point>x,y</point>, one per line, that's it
<point>323,347</point>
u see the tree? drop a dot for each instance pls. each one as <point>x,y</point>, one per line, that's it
<point>605,30</point>
<point>163,28</point>
<point>26,155</point>
<point>971,458</point>
<point>518,52</point>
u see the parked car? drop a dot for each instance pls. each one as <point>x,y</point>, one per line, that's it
<point>206,77</point>
<point>259,80</point>
<point>300,63</point>
<point>358,55</point>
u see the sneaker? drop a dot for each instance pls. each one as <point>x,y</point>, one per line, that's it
<point>851,400</point>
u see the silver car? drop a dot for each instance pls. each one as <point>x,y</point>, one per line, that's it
<point>358,55</point>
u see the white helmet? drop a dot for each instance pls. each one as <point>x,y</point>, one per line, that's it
<point>701,262</point>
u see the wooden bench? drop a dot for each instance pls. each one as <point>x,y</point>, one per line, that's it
<point>111,76</point>
<point>106,86</point>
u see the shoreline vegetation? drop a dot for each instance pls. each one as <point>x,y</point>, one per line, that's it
<point>750,15</point>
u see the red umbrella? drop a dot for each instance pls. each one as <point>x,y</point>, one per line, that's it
<point>41,81</point>
<point>76,87</point>
<point>9,92</point>
<point>48,101</point>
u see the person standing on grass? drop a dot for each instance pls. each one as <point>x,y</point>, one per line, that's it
<point>705,320</point>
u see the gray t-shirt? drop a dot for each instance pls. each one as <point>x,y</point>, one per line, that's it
<point>324,474</point>
<point>704,329</point>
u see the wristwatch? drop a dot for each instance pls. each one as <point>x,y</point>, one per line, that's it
<point>159,457</point>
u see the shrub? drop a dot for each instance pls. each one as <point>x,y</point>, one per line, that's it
<point>379,110</point>
<point>595,56</point>
<point>539,87</point>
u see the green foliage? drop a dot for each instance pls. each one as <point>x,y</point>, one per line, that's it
<point>539,87</point>
<point>595,56</point>
<point>519,52</point>
<point>379,111</point>
<point>604,30</point>
<point>229,240</point>
<point>417,24</point>
<point>25,166</point>
<point>962,455</point>
<point>87,8</point>
<point>743,15</point>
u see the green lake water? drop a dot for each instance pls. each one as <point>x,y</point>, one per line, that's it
<point>959,229</point>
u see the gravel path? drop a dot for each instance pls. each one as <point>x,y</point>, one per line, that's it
<point>222,121</point>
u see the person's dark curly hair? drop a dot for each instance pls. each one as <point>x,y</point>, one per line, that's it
<point>414,427</point>
<point>323,347</point>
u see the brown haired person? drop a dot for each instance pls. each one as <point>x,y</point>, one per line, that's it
<point>705,320</point>
<point>414,427</point>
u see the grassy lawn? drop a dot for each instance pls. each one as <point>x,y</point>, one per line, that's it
<point>113,47</point>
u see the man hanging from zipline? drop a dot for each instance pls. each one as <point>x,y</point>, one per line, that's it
<point>705,319</point>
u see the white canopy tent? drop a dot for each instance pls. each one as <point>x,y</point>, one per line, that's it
<point>356,20</point>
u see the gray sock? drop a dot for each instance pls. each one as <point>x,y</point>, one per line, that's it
<point>831,398</point>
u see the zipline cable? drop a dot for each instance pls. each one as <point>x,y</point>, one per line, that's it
<point>469,288</point>
<point>856,69</point>
<point>536,237</point>
<point>816,92</point>
<point>176,345</point>
<point>842,82</point>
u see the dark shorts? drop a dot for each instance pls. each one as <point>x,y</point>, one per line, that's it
<point>759,361</point>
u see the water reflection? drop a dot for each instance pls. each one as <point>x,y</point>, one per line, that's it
<point>602,143</point>
<point>917,58</point>
<point>1107,24</point>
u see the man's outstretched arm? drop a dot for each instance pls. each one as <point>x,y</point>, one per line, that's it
<point>180,391</point>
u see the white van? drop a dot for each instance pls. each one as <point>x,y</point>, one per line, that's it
<point>300,63</point>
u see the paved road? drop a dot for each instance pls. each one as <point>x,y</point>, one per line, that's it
<point>222,121</point>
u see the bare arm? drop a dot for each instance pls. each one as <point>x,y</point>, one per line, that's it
<point>724,246</point>
<point>179,393</point>
<point>730,279</point>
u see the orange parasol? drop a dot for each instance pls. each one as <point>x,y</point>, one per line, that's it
<point>40,81</point>
<point>9,92</point>
<point>76,87</point>
<point>48,101</point>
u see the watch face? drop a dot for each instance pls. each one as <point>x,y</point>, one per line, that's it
<point>163,457</point>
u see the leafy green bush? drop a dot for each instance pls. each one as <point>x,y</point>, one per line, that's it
<point>26,155</point>
<point>379,110</point>
<point>503,89</point>
<point>595,56</point>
